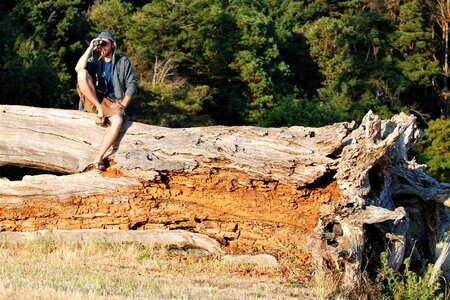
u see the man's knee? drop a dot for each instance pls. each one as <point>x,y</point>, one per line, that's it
<point>116,121</point>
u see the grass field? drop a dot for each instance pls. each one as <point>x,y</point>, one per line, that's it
<point>46,269</point>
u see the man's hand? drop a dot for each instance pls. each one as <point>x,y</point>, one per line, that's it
<point>92,47</point>
<point>119,106</point>
<point>82,61</point>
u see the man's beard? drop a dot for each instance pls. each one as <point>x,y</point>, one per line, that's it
<point>105,53</point>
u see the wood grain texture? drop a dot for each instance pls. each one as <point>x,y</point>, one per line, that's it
<point>319,194</point>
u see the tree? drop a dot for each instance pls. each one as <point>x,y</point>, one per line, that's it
<point>49,30</point>
<point>442,16</point>
<point>321,199</point>
<point>22,67</point>
<point>113,16</point>
<point>258,62</point>
<point>292,111</point>
<point>433,149</point>
<point>415,55</point>
<point>322,39</point>
<point>239,62</point>
<point>358,70</point>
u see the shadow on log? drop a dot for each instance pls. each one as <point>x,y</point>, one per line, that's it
<point>332,197</point>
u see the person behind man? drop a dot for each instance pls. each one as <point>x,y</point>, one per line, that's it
<point>105,83</point>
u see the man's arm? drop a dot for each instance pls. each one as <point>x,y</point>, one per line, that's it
<point>130,84</point>
<point>125,101</point>
<point>129,81</point>
<point>82,62</point>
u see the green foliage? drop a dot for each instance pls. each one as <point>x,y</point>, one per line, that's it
<point>40,59</point>
<point>322,37</point>
<point>291,111</point>
<point>434,149</point>
<point>414,41</point>
<point>408,286</point>
<point>266,63</point>
<point>23,67</point>
<point>211,44</point>
<point>38,82</point>
<point>190,33</point>
<point>416,54</point>
<point>52,25</point>
<point>257,61</point>
<point>198,37</point>
<point>353,53</point>
<point>172,106</point>
<point>113,16</point>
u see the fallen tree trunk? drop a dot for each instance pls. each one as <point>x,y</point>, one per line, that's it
<point>337,195</point>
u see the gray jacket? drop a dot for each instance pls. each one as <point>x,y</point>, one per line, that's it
<point>124,81</point>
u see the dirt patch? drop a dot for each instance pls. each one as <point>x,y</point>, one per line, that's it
<point>244,214</point>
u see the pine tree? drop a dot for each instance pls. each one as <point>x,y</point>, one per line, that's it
<point>48,45</point>
<point>433,149</point>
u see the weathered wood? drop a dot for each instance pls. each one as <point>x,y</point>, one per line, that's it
<point>66,141</point>
<point>178,239</point>
<point>317,193</point>
<point>246,187</point>
<point>375,174</point>
<point>157,238</point>
<point>440,261</point>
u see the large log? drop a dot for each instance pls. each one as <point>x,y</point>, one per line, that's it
<point>334,196</point>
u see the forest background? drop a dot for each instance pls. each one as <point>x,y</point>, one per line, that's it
<point>244,62</point>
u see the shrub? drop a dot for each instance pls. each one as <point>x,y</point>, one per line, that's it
<point>407,285</point>
<point>433,149</point>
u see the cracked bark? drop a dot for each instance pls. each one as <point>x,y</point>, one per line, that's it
<point>316,193</point>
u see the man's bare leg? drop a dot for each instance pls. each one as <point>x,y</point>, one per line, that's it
<point>110,136</point>
<point>86,86</point>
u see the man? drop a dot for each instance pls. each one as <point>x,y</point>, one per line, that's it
<point>105,84</point>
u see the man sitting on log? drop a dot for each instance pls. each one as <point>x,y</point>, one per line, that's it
<point>105,83</point>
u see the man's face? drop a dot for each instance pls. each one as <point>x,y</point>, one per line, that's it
<point>106,49</point>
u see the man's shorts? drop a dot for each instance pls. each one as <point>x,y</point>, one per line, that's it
<point>105,102</point>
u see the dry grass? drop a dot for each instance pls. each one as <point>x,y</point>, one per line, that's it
<point>47,269</point>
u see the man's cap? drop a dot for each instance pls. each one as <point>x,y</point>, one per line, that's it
<point>107,35</point>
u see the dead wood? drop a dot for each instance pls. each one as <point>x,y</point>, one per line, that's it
<point>440,261</point>
<point>178,239</point>
<point>333,197</point>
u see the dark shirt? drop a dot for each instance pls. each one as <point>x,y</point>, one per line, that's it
<point>123,79</point>
<point>105,84</point>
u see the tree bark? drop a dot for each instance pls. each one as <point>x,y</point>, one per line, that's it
<point>332,197</point>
